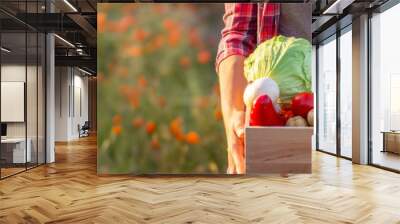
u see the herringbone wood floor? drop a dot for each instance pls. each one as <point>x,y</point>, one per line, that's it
<point>69,191</point>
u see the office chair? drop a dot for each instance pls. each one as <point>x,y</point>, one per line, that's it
<point>84,130</point>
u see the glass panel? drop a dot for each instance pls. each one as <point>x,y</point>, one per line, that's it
<point>327,97</point>
<point>32,90</point>
<point>346,93</point>
<point>41,99</point>
<point>386,89</point>
<point>23,89</point>
<point>13,88</point>
<point>31,97</point>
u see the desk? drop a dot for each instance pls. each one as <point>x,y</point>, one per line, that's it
<point>15,148</point>
<point>391,141</point>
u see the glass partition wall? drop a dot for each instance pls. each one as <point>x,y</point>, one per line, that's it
<point>13,89</point>
<point>22,93</point>
<point>326,88</point>
<point>385,90</point>
<point>345,92</point>
<point>334,85</point>
<point>334,82</point>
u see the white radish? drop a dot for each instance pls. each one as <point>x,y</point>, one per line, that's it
<point>277,107</point>
<point>261,87</point>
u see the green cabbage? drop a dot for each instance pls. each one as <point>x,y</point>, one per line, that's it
<point>286,60</point>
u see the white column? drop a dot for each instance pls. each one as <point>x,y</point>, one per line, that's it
<point>50,110</point>
<point>50,92</point>
<point>360,90</point>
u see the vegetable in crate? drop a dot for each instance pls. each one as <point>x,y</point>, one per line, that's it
<point>263,113</point>
<point>302,103</point>
<point>297,121</point>
<point>261,87</point>
<point>287,112</point>
<point>310,117</point>
<point>286,60</point>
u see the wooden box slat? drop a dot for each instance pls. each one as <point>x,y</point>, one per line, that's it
<point>278,150</point>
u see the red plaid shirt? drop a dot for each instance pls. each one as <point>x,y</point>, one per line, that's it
<point>246,25</point>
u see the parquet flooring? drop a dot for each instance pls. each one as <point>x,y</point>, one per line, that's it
<point>69,191</point>
<point>11,170</point>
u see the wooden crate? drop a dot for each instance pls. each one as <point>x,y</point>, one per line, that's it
<point>278,150</point>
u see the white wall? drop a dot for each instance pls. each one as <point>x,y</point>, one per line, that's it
<point>13,100</point>
<point>16,73</point>
<point>13,73</point>
<point>33,127</point>
<point>80,115</point>
<point>61,103</point>
<point>71,93</point>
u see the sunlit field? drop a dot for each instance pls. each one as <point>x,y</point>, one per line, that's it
<point>158,109</point>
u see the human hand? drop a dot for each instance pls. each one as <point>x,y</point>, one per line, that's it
<point>235,138</point>
<point>232,85</point>
<point>237,41</point>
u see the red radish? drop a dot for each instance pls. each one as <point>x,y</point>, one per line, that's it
<point>302,103</point>
<point>263,113</point>
<point>287,114</point>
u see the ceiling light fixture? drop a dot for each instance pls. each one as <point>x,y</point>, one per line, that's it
<point>5,50</point>
<point>64,40</point>
<point>70,5</point>
<point>337,7</point>
<point>84,71</point>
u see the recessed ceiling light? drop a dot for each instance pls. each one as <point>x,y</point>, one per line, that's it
<point>70,5</point>
<point>5,50</point>
<point>64,40</point>
<point>338,6</point>
<point>84,71</point>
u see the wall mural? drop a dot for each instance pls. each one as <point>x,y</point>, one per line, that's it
<point>159,100</point>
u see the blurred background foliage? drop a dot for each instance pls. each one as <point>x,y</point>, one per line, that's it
<point>159,109</point>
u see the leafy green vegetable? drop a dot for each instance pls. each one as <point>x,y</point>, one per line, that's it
<point>286,60</point>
